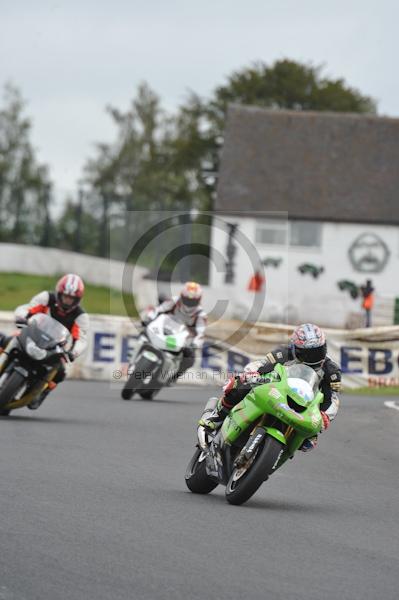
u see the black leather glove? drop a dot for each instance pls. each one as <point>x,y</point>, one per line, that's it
<point>266,368</point>
<point>71,356</point>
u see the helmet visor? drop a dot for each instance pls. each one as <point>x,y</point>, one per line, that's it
<point>311,356</point>
<point>190,302</point>
<point>67,302</point>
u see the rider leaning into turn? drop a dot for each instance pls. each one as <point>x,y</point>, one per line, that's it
<point>185,308</point>
<point>308,346</point>
<point>64,306</point>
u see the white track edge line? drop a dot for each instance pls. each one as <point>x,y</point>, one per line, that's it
<point>391,404</point>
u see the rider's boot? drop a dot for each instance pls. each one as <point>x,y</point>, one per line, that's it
<point>311,443</point>
<point>308,444</point>
<point>34,405</point>
<point>213,420</point>
<point>36,402</point>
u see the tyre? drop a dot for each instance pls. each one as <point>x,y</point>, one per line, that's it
<point>147,394</point>
<point>197,479</point>
<point>134,383</point>
<point>129,388</point>
<point>243,483</point>
<point>10,387</point>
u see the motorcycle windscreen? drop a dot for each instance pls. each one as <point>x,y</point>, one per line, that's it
<point>46,332</point>
<point>303,380</point>
<point>172,327</point>
<point>176,334</point>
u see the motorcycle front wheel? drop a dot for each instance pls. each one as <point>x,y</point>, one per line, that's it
<point>246,480</point>
<point>128,390</point>
<point>197,479</point>
<point>134,383</point>
<point>11,387</point>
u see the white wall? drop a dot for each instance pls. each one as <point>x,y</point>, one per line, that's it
<point>293,297</point>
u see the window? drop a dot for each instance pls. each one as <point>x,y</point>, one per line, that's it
<point>305,233</point>
<point>300,234</point>
<point>271,232</point>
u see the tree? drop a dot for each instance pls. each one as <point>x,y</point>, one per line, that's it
<point>288,85</point>
<point>24,183</point>
<point>140,171</point>
<point>77,228</point>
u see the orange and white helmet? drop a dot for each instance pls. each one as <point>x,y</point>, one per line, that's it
<point>190,297</point>
<point>69,291</point>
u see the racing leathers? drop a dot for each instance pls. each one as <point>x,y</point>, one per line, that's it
<point>238,387</point>
<point>194,321</point>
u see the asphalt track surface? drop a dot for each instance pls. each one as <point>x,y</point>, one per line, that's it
<point>94,507</point>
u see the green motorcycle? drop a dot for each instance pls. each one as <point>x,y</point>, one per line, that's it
<point>261,432</point>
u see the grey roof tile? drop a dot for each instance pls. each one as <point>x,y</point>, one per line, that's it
<point>314,165</point>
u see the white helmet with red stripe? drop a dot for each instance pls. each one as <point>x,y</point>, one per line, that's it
<point>69,291</point>
<point>190,297</point>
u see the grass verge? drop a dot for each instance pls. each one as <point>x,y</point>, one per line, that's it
<point>372,391</point>
<point>18,288</point>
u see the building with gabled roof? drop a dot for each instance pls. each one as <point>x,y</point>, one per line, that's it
<point>317,195</point>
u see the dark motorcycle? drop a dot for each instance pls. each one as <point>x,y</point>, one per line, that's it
<point>30,361</point>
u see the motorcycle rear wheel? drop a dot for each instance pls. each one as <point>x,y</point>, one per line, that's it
<point>196,477</point>
<point>241,487</point>
<point>146,394</point>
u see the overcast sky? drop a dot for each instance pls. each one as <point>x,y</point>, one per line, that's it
<point>72,58</point>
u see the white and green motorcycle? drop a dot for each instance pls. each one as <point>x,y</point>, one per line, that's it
<point>157,357</point>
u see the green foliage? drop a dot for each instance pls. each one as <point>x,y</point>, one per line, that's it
<point>152,165</point>
<point>18,288</point>
<point>24,184</point>
<point>373,391</point>
<point>77,229</point>
<point>289,85</point>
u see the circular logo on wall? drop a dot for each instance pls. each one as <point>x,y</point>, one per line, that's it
<point>369,253</point>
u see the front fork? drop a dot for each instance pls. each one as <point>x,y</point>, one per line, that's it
<point>220,463</point>
<point>290,440</point>
<point>5,355</point>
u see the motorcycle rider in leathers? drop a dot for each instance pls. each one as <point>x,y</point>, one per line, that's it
<point>185,308</point>
<point>308,346</point>
<point>64,306</point>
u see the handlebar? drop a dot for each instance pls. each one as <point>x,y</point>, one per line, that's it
<point>21,323</point>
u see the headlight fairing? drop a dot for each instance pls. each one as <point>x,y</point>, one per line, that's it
<point>34,351</point>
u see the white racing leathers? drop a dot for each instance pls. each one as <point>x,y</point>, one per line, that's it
<point>76,321</point>
<point>195,322</point>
